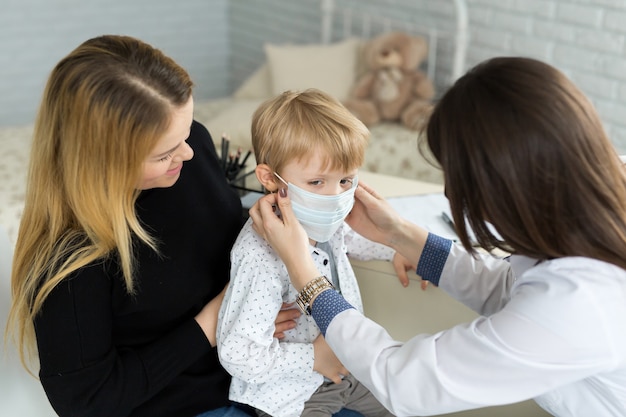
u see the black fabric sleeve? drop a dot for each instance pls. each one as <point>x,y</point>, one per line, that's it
<point>104,352</point>
<point>83,372</point>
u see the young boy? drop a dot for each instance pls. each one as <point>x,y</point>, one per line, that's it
<point>306,141</point>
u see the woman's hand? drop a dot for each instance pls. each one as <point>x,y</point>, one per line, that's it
<point>325,362</point>
<point>286,319</point>
<point>285,235</point>
<point>207,317</point>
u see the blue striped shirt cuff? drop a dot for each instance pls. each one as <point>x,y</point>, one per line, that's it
<point>326,306</point>
<point>433,259</point>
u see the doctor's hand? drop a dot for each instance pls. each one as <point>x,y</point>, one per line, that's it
<point>372,216</point>
<point>375,219</point>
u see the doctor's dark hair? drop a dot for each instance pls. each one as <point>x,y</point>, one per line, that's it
<point>522,148</point>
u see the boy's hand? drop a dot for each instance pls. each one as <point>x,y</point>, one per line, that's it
<point>326,363</point>
<point>402,265</point>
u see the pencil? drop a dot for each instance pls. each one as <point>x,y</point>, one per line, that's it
<point>245,158</point>
<point>448,220</point>
<point>224,155</point>
<point>239,178</point>
<point>237,156</point>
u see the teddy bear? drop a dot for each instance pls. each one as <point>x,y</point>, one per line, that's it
<point>393,88</point>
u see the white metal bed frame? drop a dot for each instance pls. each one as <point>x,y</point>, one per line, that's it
<point>458,38</point>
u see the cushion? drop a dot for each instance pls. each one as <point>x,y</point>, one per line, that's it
<point>235,121</point>
<point>328,67</point>
<point>258,85</point>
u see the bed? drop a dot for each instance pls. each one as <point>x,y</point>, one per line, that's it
<point>15,144</point>
<point>334,63</point>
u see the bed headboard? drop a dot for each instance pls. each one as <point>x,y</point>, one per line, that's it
<point>447,42</point>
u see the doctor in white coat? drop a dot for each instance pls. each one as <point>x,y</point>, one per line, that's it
<point>524,151</point>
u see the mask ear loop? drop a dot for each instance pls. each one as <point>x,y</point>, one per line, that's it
<point>281,178</point>
<point>284,182</point>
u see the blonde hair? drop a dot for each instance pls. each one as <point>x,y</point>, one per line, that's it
<point>293,124</point>
<point>103,110</point>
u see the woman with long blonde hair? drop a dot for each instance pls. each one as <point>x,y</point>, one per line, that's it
<point>123,249</point>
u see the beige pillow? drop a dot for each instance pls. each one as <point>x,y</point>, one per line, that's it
<point>258,85</point>
<point>330,68</point>
<point>235,121</point>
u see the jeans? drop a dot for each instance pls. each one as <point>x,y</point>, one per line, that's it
<point>344,412</point>
<point>233,411</point>
<point>230,411</point>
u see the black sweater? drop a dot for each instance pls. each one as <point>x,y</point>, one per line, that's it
<point>106,353</point>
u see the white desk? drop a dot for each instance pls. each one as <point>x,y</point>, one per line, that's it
<point>389,186</point>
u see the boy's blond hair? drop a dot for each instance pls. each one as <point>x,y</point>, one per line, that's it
<point>294,124</point>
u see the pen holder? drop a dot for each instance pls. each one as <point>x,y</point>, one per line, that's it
<point>238,182</point>
<point>234,166</point>
<point>242,187</point>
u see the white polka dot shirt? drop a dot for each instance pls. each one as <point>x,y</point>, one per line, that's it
<point>277,376</point>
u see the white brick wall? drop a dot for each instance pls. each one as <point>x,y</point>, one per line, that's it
<point>586,39</point>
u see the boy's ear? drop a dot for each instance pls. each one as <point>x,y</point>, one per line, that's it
<point>266,177</point>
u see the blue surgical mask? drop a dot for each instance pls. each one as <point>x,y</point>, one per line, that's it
<point>320,215</point>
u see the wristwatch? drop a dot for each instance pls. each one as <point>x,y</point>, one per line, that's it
<point>311,290</point>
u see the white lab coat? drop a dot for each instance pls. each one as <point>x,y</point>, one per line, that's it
<point>553,331</point>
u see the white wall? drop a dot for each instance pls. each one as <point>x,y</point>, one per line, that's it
<point>584,38</point>
<point>36,34</point>
<point>252,23</point>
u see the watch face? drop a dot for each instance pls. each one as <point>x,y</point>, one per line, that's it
<point>311,290</point>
